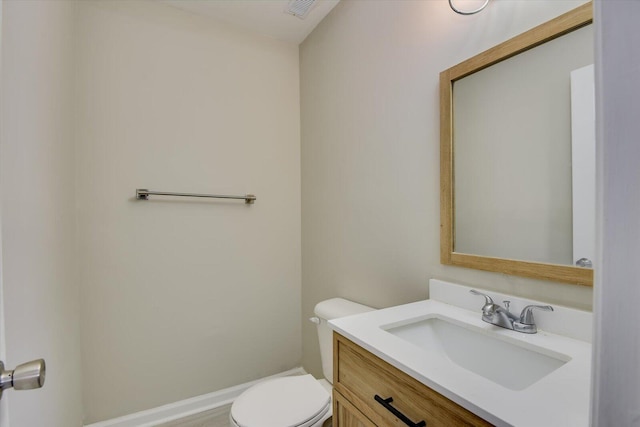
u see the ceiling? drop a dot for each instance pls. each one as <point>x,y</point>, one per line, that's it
<point>267,17</point>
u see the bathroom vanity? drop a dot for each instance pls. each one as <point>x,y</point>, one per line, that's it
<point>364,383</point>
<point>437,362</point>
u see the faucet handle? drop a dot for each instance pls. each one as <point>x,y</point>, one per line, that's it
<point>526,317</point>
<point>489,307</point>
<point>487,298</point>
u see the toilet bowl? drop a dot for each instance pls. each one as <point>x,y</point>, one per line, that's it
<point>296,401</point>
<point>299,401</point>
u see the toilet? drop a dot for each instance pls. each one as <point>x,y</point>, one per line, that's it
<point>300,400</point>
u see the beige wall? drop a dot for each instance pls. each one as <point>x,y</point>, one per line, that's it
<point>370,156</point>
<point>184,297</point>
<point>41,296</point>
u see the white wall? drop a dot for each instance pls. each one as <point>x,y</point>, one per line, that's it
<point>370,151</point>
<point>616,362</point>
<point>184,297</point>
<point>4,404</point>
<point>41,297</point>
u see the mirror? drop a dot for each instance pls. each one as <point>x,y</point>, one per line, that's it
<point>516,197</point>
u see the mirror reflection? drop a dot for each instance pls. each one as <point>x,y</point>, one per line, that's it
<point>524,156</point>
<point>513,191</point>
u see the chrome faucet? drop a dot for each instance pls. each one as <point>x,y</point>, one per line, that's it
<point>501,316</point>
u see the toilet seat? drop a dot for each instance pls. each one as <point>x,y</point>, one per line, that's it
<point>297,401</point>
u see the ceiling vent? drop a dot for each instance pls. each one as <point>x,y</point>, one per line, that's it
<point>299,8</point>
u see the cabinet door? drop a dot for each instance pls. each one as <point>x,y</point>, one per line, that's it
<point>366,381</point>
<point>347,415</point>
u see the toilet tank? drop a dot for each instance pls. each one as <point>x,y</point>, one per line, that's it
<point>328,310</point>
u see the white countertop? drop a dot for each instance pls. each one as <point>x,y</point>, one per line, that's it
<point>559,399</point>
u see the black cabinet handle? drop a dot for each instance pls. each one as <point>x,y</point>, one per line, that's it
<point>387,404</point>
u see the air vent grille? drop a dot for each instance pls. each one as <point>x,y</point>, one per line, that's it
<point>300,8</point>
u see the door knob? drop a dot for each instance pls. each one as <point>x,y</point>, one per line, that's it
<point>584,262</point>
<point>27,376</point>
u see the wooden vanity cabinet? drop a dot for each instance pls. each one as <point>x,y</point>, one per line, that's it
<point>347,415</point>
<point>369,392</point>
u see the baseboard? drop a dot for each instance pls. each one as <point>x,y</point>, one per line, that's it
<point>187,407</point>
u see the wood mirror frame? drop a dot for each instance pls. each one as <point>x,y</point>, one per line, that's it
<point>563,24</point>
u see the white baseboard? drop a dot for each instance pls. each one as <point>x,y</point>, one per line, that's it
<point>187,407</point>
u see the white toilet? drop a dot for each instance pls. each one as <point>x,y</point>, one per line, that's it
<point>296,401</point>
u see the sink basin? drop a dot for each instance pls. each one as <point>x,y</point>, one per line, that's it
<point>513,364</point>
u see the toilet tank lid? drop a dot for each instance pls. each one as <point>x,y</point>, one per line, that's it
<point>339,307</point>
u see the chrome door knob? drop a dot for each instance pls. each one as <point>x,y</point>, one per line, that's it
<point>27,376</point>
<point>584,262</point>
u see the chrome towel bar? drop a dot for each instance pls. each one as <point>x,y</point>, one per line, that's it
<point>143,194</point>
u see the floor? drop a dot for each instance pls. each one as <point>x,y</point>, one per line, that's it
<point>218,417</point>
